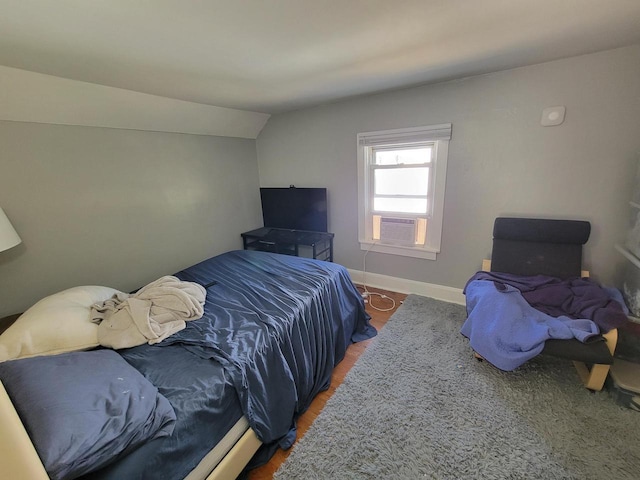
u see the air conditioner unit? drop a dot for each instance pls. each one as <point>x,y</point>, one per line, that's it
<point>398,231</point>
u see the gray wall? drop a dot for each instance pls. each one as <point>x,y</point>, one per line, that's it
<point>99,206</point>
<point>501,160</point>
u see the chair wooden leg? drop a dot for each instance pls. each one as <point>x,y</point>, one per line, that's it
<point>612,339</point>
<point>594,378</point>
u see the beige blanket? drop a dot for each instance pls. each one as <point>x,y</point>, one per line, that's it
<point>153,313</point>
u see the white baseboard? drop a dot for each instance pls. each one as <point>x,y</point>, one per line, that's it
<point>402,285</point>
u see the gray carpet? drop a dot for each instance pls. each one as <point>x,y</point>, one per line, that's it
<point>418,405</point>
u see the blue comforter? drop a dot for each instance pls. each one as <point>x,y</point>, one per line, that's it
<point>273,329</point>
<point>278,325</point>
<point>504,327</point>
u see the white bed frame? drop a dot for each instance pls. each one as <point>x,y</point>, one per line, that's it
<point>19,459</point>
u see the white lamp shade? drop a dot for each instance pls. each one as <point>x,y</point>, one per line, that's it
<point>8,235</point>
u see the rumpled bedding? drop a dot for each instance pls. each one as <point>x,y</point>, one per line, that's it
<point>273,329</point>
<point>278,325</point>
<point>510,317</point>
<point>152,314</point>
<point>574,297</point>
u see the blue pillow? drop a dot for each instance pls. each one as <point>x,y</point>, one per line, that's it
<point>84,409</point>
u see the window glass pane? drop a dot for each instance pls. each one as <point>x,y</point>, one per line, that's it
<point>406,156</point>
<point>401,181</point>
<point>400,205</point>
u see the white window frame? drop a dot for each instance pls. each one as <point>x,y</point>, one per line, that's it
<point>439,135</point>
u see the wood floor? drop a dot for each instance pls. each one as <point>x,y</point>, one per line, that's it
<point>378,320</point>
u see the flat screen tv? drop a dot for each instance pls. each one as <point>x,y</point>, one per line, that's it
<point>295,208</point>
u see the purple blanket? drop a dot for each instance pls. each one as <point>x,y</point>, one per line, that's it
<point>505,328</point>
<point>575,297</point>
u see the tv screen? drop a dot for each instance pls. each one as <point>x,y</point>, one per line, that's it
<point>295,208</point>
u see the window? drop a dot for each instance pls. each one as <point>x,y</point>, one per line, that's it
<point>401,180</point>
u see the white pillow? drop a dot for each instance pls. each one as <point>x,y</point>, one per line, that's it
<point>56,324</point>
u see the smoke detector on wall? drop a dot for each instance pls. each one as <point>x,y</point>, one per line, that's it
<point>552,116</point>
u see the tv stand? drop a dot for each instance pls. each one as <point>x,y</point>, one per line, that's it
<point>318,245</point>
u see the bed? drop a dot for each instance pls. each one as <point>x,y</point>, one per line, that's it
<point>274,327</point>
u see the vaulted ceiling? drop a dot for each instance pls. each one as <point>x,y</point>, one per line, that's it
<point>277,55</point>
